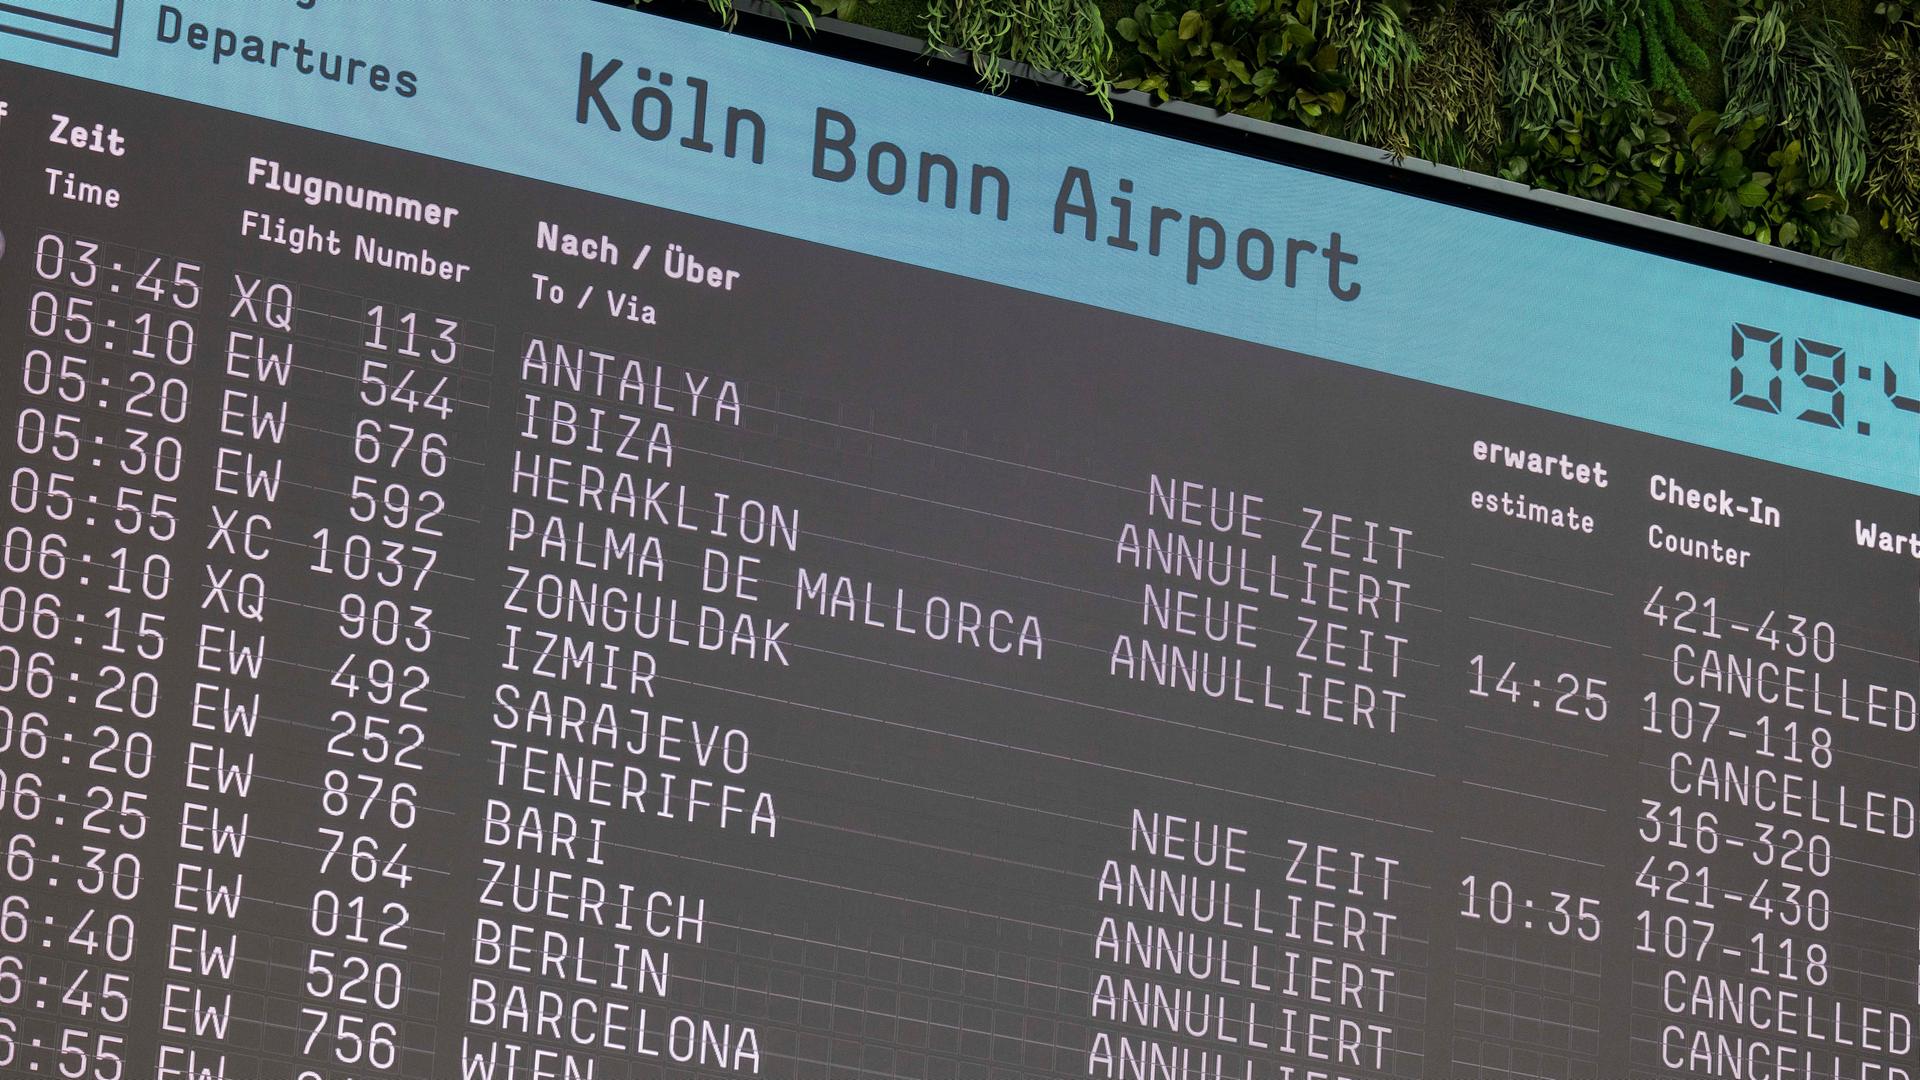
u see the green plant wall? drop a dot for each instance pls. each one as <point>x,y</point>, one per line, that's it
<point>1789,122</point>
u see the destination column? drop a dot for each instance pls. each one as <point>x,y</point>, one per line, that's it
<point>619,564</point>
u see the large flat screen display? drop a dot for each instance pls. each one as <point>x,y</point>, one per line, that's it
<point>546,542</point>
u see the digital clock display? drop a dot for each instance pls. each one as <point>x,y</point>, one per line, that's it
<point>1822,373</point>
<point>546,542</point>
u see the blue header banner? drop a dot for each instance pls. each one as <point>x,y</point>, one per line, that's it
<point>776,138</point>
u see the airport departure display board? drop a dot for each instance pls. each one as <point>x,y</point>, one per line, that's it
<point>545,542</point>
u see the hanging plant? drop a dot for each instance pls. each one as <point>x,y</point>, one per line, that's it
<point>1429,89</point>
<point>1889,83</point>
<point>1558,58</point>
<point>1788,64</point>
<point>1655,40</point>
<point>1259,58</point>
<point>1064,36</point>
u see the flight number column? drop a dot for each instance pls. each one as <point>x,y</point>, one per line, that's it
<point>95,554</point>
<point>381,545</point>
<point>217,953</point>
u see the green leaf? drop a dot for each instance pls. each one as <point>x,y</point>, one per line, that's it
<point>1128,29</point>
<point>1752,193</point>
<point>1191,24</point>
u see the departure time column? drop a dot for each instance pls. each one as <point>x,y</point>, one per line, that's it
<point>97,556</point>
